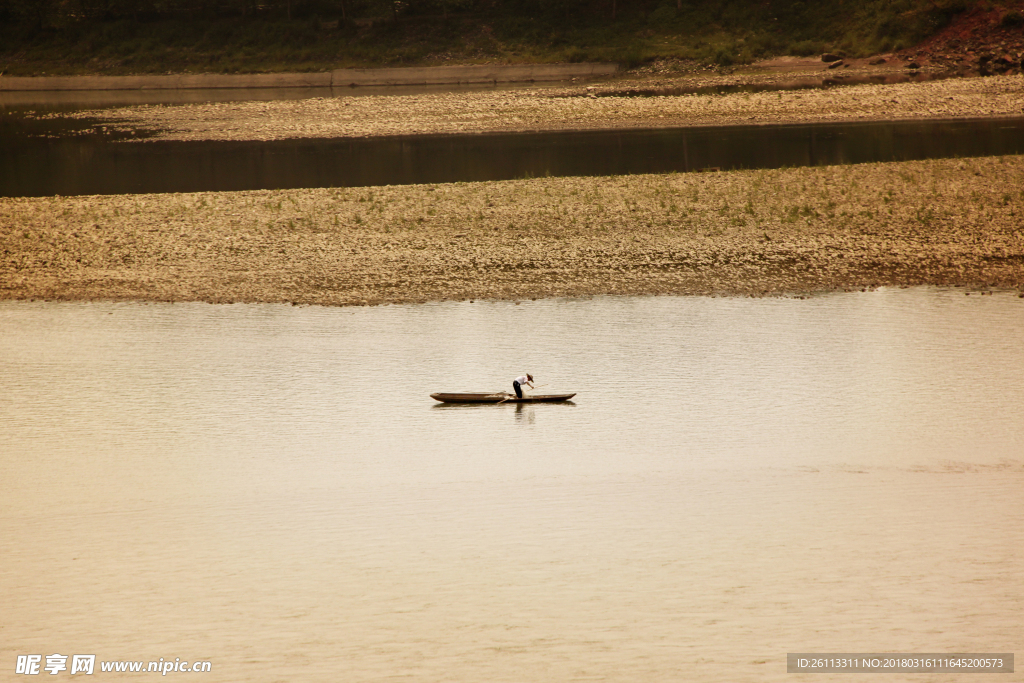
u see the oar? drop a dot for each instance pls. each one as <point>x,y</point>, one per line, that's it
<point>510,396</point>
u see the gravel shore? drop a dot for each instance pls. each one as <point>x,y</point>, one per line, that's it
<point>766,232</point>
<point>574,108</point>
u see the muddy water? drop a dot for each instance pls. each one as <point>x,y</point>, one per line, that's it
<point>66,100</point>
<point>54,160</point>
<point>69,100</point>
<point>801,83</point>
<point>270,489</point>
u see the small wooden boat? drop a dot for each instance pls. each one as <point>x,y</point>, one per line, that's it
<point>500,397</point>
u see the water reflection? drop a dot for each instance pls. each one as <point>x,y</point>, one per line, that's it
<point>804,83</point>
<point>856,378</point>
<point>44,166</point>
<point>525,413</point>
<point>70,100</point>
<point>270,488</point>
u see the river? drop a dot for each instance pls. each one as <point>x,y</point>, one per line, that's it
<point>270,488</point>
<point>46,157</point>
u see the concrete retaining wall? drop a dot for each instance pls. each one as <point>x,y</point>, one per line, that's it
<point>339,78</point>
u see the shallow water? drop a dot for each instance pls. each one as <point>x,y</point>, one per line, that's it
<point>271,489</point>
<point>833,80</point>
<point>88,164</point>
<point>70,100</point>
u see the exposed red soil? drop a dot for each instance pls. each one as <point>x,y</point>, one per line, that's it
<point>988,39</point>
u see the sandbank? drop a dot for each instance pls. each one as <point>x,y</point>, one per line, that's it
<point>579,107</point>
<point>950,222</point>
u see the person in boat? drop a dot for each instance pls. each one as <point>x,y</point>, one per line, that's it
<point>518,383</point>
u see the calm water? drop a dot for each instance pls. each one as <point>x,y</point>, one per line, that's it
<point>70,100</point>
<point>835,80</point>
<point>67,100</point>
<point>271,489</point>
<point>64,164</point>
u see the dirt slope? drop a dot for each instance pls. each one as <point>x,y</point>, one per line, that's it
<point>988,38</point>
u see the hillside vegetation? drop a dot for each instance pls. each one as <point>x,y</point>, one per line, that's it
<point>239,36</point>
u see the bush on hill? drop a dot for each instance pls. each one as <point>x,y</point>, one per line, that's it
<point>152,36</point>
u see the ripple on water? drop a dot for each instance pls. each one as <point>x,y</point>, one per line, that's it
<point>271,489</point>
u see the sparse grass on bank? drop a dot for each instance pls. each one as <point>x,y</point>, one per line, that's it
<point>722,33</point>
<point>767,232</point>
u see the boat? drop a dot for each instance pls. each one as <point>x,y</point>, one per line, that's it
<point>500,397</point>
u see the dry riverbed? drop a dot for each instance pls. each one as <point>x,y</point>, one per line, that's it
<point>764,232</point>
<point>570,108</point>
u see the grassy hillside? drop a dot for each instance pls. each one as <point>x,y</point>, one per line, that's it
<point>707,31</point>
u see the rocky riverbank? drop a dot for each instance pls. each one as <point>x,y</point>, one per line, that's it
<point>987,38</point>
<point>957,222</point>
<point>568,108</point>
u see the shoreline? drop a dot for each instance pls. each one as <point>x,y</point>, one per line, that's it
<point>565,108</point>
<point>337,78</point>
<point>783,232</point>
<point>452,75</point>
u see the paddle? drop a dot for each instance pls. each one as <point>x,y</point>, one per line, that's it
<point>509,397</point>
